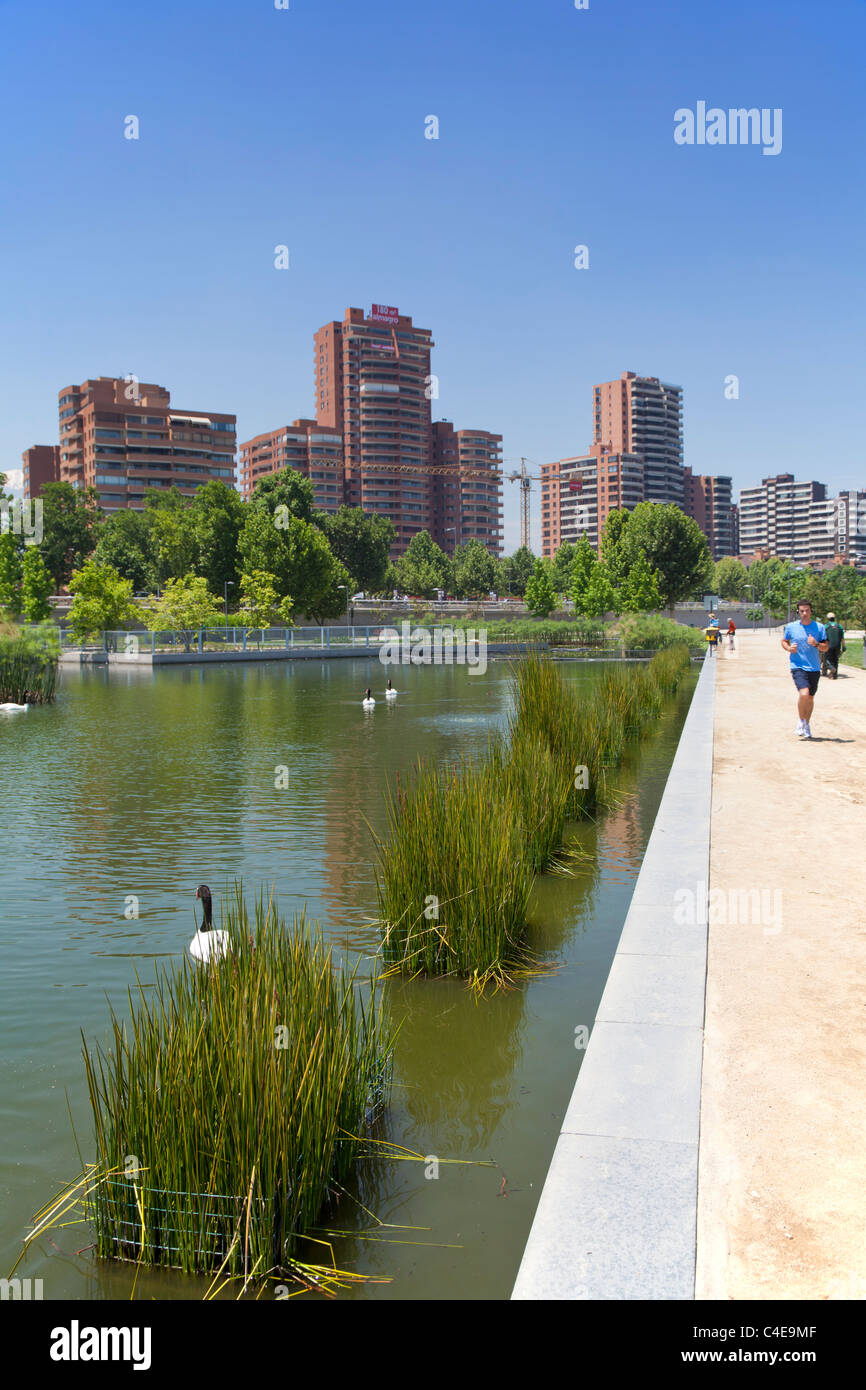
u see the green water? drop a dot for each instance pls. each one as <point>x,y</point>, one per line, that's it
<point>140,783</point>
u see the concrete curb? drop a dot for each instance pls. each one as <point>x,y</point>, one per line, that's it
<point>617,1218</point>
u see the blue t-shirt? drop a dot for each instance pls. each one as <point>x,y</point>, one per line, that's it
<point>805,658</point>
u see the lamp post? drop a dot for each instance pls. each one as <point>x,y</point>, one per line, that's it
<point>229,584</point>
<point>344,586</point>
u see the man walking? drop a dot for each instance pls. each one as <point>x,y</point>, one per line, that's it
<point>804,641</point>
<point>836,639</point>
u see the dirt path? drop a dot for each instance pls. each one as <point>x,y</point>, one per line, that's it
<point>782,1174</point>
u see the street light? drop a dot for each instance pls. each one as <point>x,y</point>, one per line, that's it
<point>344,586</point>
<point>229,584</point>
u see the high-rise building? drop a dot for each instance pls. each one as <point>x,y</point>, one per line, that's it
<point>777,517</point>
<point>578,494</point>
<point>643,415</point>
<point>41,466</point>
<point>125,439</point>
<point>373,387</point>
<point>314,450</point>
<point>466,487</point>
<point>799,522</point>
<point>707,498</point>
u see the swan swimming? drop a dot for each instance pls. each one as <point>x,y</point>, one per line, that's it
<point>368,702</point>
<point>15,709</point>
<point>390,692</point>
<point>207,944</point>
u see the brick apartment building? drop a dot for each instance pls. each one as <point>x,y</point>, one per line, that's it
<point>708,499</point>
<point>800,522</point>
<point>41,465</point>
<point>127,446</point>
<point>314,450</point>
<point>373,444</point>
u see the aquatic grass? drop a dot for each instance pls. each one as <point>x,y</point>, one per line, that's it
<point>464,843</point>
<point>223,1112</point>
<point>28,664</point>
<point>453,882</point>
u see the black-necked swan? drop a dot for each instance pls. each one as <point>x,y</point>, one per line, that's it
<point>390,692</point>
<point>368,702</point>
<point>207,944</point>
<point>15,709</point>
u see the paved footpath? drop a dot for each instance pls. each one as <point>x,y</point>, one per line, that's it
<point>782,1156</point>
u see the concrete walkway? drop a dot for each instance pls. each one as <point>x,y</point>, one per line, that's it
<point>782,1154</point>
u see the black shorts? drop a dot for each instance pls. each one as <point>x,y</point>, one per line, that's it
<point>806,680</point>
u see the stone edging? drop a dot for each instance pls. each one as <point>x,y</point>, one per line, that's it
<point>617,1216</point>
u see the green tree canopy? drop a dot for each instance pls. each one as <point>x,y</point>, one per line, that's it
<point>672,542</point>
<point>516,572</point>
<point>424,568</point>
<point>125,542</point>
<point>101,600</point>
<point>173,534</point>
<point>639,592</point>
<point>216,515</point>
<point>298,556</point>
<point>289,490</point>
<point>731,578</point>
<point>70,521</point>
<point>561,567</point>
<point>541,596</point>
<point>37,586</point>
<point>600,597</point>
<point>185,605</point>
<point>10,574</point>
<point>261,605</point>
<point>361,543</point>
<point>475,570</point>
<point>583,567</point>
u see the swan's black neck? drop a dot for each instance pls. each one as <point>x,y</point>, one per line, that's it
<point>206,906</point>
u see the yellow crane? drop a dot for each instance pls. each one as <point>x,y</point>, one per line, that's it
<point>526,480</point>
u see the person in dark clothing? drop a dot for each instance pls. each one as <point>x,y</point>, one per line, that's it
<point>836,639</point>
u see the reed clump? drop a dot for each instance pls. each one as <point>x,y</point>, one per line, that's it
<point>464,844</point>
<point>28,664</point>
<point>234,1101</point>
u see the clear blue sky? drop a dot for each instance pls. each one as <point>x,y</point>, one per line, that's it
<point>306,127</point>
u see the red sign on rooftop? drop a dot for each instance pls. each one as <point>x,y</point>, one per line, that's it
<point>384,313</point>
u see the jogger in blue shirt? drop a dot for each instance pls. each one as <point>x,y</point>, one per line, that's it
<point>804,641</point>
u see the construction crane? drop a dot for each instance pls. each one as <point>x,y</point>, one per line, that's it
<point>526,480</point>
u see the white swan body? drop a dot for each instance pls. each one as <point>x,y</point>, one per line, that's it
<point>368,704</point>
<point>15,709</point>
<point>390,694</point>
<point>209,945</point>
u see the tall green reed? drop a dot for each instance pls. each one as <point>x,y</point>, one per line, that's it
<point>234,1101</point>
<point>28,665</point>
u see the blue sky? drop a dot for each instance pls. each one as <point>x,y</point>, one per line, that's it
<point>305,127</point>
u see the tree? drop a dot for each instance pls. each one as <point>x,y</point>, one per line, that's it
<point>101,600</point>
<point>261,606</point>
<point>10,574</point>
<point>216,515</point>
<point>173,535</point>
<point>731,578</point>
<point>186,605</point>
<point>541,597</point>
<point>126,543</point>
<point>560,571</point>
<point>600,597</point>
<point>613,548</point>
<point>298,556</point>
<point>289,490</point>
<point>516,571</point>
<point>674,545</point>
<point>583,567</point>
<point>361,543</point>
<point>424,568</point>
<point>639,592</point>
<point>475,570</point>
<point>70,521</point>
<point>37,586</point>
